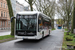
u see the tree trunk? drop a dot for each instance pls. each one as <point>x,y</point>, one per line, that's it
<point>31,7</point>
<point>68,22</point>
<point>11,14</point>
<point>73,19</point>
<point>52,23</point>
<point>31,4</point>
<point>64,24</point>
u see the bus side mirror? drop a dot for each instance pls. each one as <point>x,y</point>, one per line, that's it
<point>12,18</point>
<point>39,21</point>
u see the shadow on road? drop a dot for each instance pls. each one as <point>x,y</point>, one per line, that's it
<point>31,43</point>
<point>32,40</point>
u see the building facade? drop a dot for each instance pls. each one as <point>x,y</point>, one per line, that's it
<point>13,3</point>
<point>4,15</point>
<point>26,8</point>
<point>19,7</point>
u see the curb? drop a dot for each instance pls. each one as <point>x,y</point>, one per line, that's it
<point>4,30</point>
<point>5,40</point>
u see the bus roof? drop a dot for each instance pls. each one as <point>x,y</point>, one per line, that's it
<point>28,12</point>
<point>31,13</point>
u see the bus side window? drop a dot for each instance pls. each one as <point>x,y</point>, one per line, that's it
<point>40,25</point>
<point>46,27</point>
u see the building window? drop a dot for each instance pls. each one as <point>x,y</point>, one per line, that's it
<point>8,23</point>
<point>1,4</point>
<point>4,5</point>
<point>8,15</point>
<point>4,14</point>
<point>1,14</point>
<point>4,23</point>
<point>1,23</point>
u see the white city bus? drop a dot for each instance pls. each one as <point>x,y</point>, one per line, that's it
<point>31,25</point>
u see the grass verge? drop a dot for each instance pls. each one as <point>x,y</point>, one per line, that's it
<point>70,41</point>
<point>53,29</point>
<point>66,29</point>
<point>6,38</point>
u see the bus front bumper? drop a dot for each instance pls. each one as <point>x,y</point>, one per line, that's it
<point>25,37</point>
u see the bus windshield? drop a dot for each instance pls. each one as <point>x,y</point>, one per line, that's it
<point>26,22</point>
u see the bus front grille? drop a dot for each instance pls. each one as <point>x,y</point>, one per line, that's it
<point>25,33</point>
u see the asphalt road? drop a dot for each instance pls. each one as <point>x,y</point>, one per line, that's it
<point>52,42</point>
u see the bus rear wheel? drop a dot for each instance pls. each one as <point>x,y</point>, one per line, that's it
<point>42,34</point>
<point>49,33</point>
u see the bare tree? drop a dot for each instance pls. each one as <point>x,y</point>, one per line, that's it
<point>11,15</point>
<point>73,17</point>
<point>64,8</point>
<point>30,2</point>
<point>47,7</point>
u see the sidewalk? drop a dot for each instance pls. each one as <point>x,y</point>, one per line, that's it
<point>59,34</point>
<point>4,32</point>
